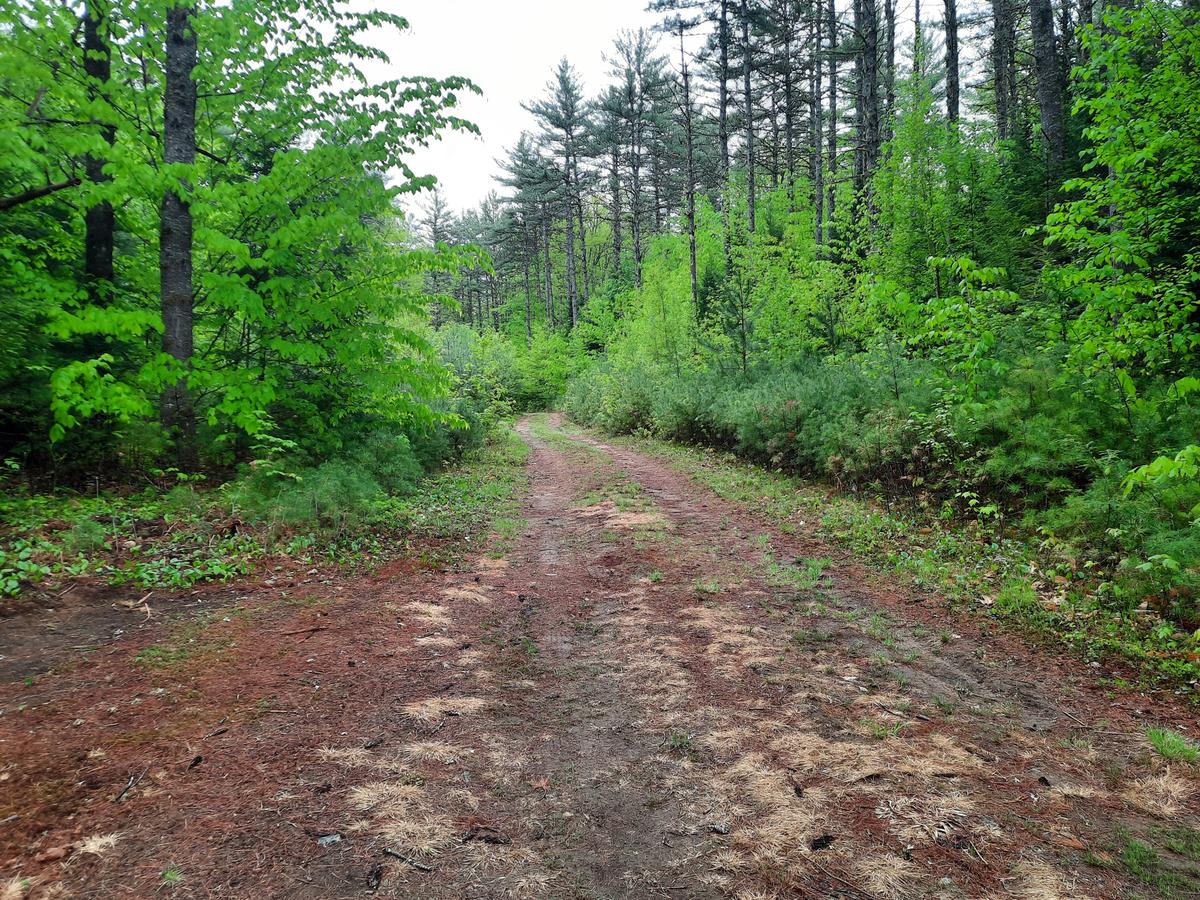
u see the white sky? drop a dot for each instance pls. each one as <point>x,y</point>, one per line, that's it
<point>509,48</point>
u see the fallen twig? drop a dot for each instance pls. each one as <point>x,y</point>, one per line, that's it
<point>312,630</point>
<point>133,780</point>
<point>902,715</point>
<point>395,854</point>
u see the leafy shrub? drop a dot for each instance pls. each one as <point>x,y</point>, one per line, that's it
<point>86,536</point>
<point>389,459</point>
<point>333,496</point>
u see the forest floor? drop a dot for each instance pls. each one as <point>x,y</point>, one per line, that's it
<point>652,692</point>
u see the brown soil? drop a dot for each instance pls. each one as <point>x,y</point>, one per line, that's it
<point>634,702</point>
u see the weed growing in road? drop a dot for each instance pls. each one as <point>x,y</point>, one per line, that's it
<point>1172,745</point>
<point>882,731</point>
<point>944,706</point>
<point>801,575</point>
<point>807,636</point>
<point>1146,865</point>
<point>681,742</point>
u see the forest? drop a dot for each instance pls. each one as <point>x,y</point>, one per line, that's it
<point>946,260</point>
<point>921,282</point>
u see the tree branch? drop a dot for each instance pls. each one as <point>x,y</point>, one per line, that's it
<point>37,193</point>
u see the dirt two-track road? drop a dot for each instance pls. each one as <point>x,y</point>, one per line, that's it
<point>653,693</point>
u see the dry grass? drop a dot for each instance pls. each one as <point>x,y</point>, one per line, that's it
<point>429,613</point>
<point>417,836</point>
<point>433,751</point>
<point>471,657</point>
<point>1038,881</point>
<point>468,594</point>
<point>1163,794</point>
<point>392,795</point>
<point>348,757</point>
<point>886,875</point>
<point>99,844</point>
<point>436,640</point>
<point>920,821</point>
<point>434,709</point>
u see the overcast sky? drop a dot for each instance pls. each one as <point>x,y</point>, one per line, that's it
<point>509,48</point>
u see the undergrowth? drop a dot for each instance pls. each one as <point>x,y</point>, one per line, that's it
<point>354,511</point>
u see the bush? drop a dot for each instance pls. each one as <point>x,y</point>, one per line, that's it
<point>332,496</point>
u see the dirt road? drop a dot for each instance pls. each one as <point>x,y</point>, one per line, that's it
<point>654,694</point>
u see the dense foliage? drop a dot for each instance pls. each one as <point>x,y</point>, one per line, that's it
<point>306,321</point>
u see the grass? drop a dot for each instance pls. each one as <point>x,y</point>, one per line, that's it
<point>805,637</point>
<point>800,575</point>
<point>1146,864</point>
<point>681,742</point>
<point>452,509</point>
<point>882,731</point>
<point>186,642</point>
<point>1172,745</point>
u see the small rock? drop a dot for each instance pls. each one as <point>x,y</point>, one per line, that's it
<point>54,854</point>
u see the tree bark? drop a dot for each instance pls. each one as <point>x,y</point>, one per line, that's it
<point>572,295</point>
<point>690,172</point>
<point>1004,68</point>
<point>749,113</point>
<point>817,128</point>
<point>175,228</point>
<point>1049,83</point>
<point>99,220</point>
<point>831,187</point>
<point>615,187</point>
<point>723,91</point>
<point>547,272</point>
<point>889,12</point>
<point>952,75</point>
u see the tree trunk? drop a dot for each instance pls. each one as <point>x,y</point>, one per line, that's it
<point>615,186</point>
<point>889,12</point>
<point>528,298</point>
<point>723,91</point>
<point>1003,65</point>
<point>1049,83</point>
<point>817,129</point>
<point>831,152</point>
<point>952,82</point>
<point>99,220</point>
<point>635,198</point>
<point>572,296</point>
<point>175,228</point>
<point>546,269</point>
<point>866,113</point>
<point>583,253</point>
<point>691,170</point>
<point>789,146</point>
<point>749,113</point>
